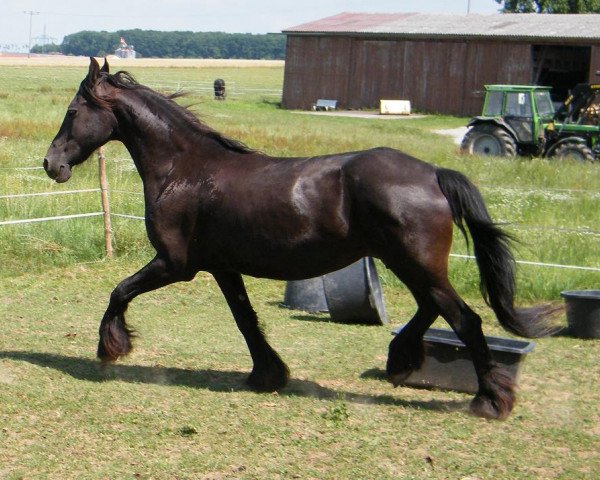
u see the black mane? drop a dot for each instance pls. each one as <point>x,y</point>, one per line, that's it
<point>125,81</point>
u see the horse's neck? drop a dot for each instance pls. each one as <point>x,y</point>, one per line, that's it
<point>146,137</point>
<point>157,137</point>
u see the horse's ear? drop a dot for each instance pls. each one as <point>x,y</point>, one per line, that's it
<point>93,72</point>
<point>105,66</point>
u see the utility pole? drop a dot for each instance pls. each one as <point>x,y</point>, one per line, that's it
<point>468,6</point>
<point>31,13</point>
<point>44,40</point>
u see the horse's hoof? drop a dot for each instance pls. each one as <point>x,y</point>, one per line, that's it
<point>105,362</point>
<point>403,359</point>
<point>398,378</point>
<point>271,381</point>
<point>103,355</point>
<point>262,385</point>
<point>496,397</point>
<point>485,407</point>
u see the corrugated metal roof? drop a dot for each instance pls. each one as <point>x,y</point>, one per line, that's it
<point>420,25</point>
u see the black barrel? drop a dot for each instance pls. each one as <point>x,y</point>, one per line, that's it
<point>350,295</point>
<point>354,294</point>
<point>583,312</point>
<point>307,295</point>
<point>219,88</point>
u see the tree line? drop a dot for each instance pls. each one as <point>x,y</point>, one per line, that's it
<point>550,6</point>
<point>157,44</point>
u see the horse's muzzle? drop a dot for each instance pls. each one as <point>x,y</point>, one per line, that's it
<point>57,172</point>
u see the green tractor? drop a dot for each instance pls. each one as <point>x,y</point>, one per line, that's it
<point>521,120</point>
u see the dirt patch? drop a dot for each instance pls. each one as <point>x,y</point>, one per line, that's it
<point>358,114</point>
<point>62,60</point>
<point>456,133</point>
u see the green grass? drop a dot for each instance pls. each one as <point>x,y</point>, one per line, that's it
<point>550,206</point>
<point>177,407</point>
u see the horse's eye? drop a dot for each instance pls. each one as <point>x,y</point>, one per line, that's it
<point>71,112</point>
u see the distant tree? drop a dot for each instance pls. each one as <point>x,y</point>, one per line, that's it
<point>550,6</point>
<point>152,43</point>
<point>89,43</point>
<point>46,48</point>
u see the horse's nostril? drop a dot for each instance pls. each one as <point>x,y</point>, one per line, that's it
<point>45,164</point>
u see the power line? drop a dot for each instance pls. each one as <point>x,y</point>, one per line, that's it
<point>31,13</point>
<point>44,39</point>
<point>108,15</point>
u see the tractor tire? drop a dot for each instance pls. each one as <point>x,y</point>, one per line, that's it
<point>575,151</point>
<point>489,139</point>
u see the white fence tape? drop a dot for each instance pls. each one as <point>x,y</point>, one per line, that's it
<point>577,231</point>
<point>136,217</point>
<point>199,86</point>
<point>536,264</point>
<point>541,191</point>
<point>48,219</point>
<point>44,194</point>
<point>122,215</point>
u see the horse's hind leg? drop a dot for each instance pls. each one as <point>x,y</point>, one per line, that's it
<point>435,296</point>
<point>496,394</point>
<point>406,352</point>
<point>269,372</point>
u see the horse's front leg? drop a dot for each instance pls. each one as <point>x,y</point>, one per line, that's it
<point>269,372</point>
<point>115,336</point>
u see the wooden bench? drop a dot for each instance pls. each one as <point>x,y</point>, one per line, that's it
<point>324,105</point>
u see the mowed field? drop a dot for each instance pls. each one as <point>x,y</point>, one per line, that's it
<point>177,408</point>
<point>70,61</point>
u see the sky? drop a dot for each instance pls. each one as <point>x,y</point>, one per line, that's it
<point>53,19</point>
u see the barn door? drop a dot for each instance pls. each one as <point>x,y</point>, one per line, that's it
<point>560,67</point>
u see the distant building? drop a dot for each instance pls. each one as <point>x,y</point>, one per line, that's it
<point>125,50</point>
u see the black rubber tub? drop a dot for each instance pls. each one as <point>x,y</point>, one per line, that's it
<point>583,312</point>
<point>350,295</point>
<point>448,363</point>
<point>306,295</point>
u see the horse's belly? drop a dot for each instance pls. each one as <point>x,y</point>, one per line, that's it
<point>277,260</point>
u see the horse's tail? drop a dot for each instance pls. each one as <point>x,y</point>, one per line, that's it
<point>494,258</point>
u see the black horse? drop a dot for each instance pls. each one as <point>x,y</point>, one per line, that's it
<point>213,204</point>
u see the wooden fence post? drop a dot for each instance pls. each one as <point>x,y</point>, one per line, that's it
<point>105,203</point>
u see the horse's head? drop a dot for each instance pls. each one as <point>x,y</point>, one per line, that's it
<point>88,124</point>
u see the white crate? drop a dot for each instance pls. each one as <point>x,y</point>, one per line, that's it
<point>394,107</point>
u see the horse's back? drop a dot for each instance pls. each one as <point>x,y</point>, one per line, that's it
<point>395,165</point>
<point>392,176</point>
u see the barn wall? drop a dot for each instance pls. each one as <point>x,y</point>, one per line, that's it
<point>440,76</point>
<point>315,67</point>
<point>433,78</point>
<point>426,73</point>
<point>374,72</point>
<point>489,63</point>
